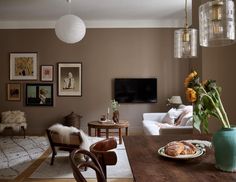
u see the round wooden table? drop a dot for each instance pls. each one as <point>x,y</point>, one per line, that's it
<point>108,125</point>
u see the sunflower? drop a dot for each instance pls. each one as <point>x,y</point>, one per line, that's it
<point>191,95</point>
<point>189,78</point>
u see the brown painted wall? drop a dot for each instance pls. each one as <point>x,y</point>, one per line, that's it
<point>218,64</point>
<point>105,54</point>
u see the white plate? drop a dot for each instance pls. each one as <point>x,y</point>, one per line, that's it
<point>199,152</point>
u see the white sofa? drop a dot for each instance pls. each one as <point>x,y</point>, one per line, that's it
<point>153,125</point>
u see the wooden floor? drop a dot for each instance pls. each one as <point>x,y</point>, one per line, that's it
<point>24,177</point>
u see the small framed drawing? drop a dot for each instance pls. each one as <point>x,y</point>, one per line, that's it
<point>69,79</point>
<point>39,94</point>
<point>23,66</point>
<point>14,91</point>
<point>47,73</point>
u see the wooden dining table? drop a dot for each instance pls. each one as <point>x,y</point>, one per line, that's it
<point>148,166</point>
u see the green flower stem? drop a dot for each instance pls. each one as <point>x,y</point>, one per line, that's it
<point>217,110</point>
<point>222,108</point>
<point>221,111</point>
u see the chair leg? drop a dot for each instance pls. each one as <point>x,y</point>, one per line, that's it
<point>52,159</point>
<point>23,128</point>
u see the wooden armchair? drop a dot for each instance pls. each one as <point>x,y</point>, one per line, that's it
<point>57,143</point>
<point>104,156</point>
<point>91,162</point>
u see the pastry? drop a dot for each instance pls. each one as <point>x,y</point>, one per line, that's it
<point>188,148</point>
<point>174,148</point>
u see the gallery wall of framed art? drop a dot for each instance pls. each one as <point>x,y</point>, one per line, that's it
<point>24,67</point>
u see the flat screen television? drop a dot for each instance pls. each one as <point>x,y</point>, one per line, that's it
<point>135,90</point>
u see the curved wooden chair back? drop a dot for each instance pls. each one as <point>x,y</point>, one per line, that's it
<point>90,162</point>
<point>102,151</point>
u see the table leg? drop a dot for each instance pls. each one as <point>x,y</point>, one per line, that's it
<point>99,132</point>
<point>107,133</point>
<point>120,136</point>
<point>127,131</point>
<point>89,131</point>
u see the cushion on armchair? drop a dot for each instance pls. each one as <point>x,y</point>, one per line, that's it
<point>13,117</point>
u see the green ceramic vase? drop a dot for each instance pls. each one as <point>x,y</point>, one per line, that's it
<point>224,143</point>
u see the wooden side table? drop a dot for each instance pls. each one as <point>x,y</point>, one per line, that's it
<point>108,125</point>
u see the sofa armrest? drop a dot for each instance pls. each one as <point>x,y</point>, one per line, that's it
<point>177,130</point>
<point>154,116</point>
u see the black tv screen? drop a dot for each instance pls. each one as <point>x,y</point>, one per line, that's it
<point>135,90</point>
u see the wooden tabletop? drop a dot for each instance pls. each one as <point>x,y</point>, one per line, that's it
<point>148,166</point>
<point>109,124</point>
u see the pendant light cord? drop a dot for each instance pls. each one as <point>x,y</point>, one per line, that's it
<point>69,4</point>
<point>186,15</point>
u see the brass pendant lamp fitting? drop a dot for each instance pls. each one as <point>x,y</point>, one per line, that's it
<point>217,23</point>
<point>185,45</point>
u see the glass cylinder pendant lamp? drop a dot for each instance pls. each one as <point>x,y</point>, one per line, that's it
<point>185,40</point>
<point>217,23</point>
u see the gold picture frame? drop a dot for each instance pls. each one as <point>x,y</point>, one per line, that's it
<point>13,91</point>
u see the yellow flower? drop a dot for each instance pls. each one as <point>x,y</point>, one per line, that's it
<point>189,78</point>
<point>191,95</point>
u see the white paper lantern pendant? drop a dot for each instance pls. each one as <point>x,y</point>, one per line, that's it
<point>70,29</point>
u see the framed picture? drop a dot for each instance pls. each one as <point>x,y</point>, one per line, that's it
<point>47,72</point>
<point>23,66</point>
<point>69,79</point>
<point>39,94</point>
<point>14,91</point>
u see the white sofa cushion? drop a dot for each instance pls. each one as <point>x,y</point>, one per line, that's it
<point>171,116</point>
<point>150,127</point>
<point>185,116</point>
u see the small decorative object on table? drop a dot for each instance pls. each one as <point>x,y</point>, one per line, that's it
<point>103,118</point>
<point>207,101</point>
<point>115,109</point>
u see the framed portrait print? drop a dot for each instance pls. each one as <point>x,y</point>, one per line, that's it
<point>39,94</point>
<point>14,91</point>
<point>23,66</point>
<point>47,73</point>
<point>69,79</point>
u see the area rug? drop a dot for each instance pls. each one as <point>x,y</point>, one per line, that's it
<point>18,153</point>
<point>61,167</point>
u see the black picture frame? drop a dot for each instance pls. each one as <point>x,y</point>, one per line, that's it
<point>39,94</point>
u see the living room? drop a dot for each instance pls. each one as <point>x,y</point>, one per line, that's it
<point>106,53</point>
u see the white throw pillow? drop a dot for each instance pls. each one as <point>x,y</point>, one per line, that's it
<point>186,118</point>
<point>189,122</point>
<point>171,116</point>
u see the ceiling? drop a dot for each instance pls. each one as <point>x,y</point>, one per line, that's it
<point>95,13</point>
